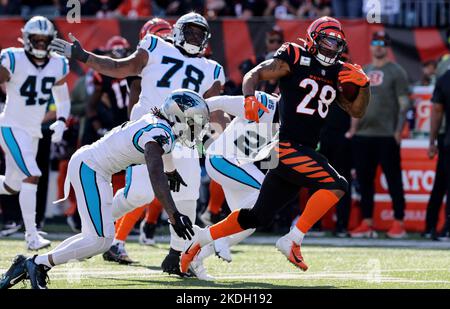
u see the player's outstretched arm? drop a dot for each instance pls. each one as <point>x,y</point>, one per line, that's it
<point>118,68</point>
<point>272,69</point>
<point>155,167</point>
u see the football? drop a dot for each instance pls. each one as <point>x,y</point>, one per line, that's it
<point>349,90</point>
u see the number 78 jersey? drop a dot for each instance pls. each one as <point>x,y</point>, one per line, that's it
<point>306,94</point>
<point>29,89</point>
<point>168,69</point>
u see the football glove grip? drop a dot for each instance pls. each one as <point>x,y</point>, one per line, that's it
<point>354,74</point>
<point>175,180</point>
<point>252,107</point>
<point>183,226</point>
<point>70,50</point>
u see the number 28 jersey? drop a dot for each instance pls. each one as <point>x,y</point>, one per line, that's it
<point>306,94</point>
<point>168,69</point>
<point>29,89</point>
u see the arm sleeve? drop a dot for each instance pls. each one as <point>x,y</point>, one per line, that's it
<point>219,74</point>
<point>438,93</point>
<point>233,105</point>
<point>150,43</point>
<point>7,60</point>
<point>62,100</point>
<point>158,135</point>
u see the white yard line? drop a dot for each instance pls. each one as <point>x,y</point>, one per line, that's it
<point>322,241</point>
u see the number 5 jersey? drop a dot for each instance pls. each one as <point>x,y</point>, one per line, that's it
<point>29,89</point>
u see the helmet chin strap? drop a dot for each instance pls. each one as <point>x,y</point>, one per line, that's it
<point>38,53</point>
<point>325,60</point>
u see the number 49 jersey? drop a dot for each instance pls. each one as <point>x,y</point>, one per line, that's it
<point>169,69</point>
<point>29,89</point>
<point>306,94</point>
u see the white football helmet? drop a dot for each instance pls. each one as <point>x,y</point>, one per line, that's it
<point>189,115</point>
<point>181,33</point>
<point>37,25</point>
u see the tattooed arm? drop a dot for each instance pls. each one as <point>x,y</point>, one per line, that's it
<point>272,69</point>
<point>358,107</point>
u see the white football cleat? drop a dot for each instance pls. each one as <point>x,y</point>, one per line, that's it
<point>199,270</point>
<point>292,251</point>
<point>36,242</point>
<point>222,249</point>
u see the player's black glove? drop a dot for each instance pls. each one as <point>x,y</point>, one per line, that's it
<point>70,50</point>
<point>175,180</point>
<point>182,226</point>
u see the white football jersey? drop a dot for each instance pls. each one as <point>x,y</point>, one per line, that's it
<point>168,69</point>
<point>243,139</point>
<point>124,145</point>
<point>29,89</point>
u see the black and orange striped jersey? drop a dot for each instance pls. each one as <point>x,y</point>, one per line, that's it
<point>306,94</point>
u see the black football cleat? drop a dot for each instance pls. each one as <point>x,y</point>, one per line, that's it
<point>37,274</point>
<point>15,274</point>
<point>117,254</point>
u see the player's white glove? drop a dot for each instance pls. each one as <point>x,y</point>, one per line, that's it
<point>70,50</point>
<point>58,128</point>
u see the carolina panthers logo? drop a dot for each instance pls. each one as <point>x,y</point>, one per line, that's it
<point>162,139</point>
<point>184,101</point>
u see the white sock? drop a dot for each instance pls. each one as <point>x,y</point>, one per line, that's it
<point>206,251</point>
<point>237,238</point>
<point>204,236</point>
<point>2,186</point>
<point>118,242</point>
<point>43,260</point>
<point>27,200</point>
<point>296,235</point>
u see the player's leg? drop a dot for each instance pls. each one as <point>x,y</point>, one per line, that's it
<point>22,175</point>
<point>94,198</point>
<point>390,164</point>
<point>241,185</point>
<point>216,199</point>
<point>366,162</point>
<point>298,166</point>
<point>117,252</point>
<point>187,164</point>
<point>137,191</point>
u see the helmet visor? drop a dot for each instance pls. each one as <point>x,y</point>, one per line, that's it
<point>195,34</point>
<point>330,46</point>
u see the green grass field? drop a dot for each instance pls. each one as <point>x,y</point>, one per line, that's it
<point>259,266</point>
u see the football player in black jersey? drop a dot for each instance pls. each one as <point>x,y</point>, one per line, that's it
<point>309,75</point>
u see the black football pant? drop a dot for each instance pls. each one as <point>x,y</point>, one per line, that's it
<point>337,149</point>
<point>299,166</point>
<point>439,188</point>
<point>369,152</point>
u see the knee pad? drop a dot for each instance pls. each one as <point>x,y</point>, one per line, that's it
<point>247,219</point>
<point>121,206</point>
<point>139,195</point>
